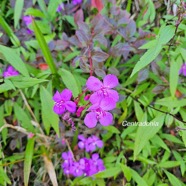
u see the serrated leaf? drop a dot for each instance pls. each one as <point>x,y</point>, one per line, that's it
<point>70,81</point>
<point>28,160</point>
<point>49,118</point>
<point>12,57</point>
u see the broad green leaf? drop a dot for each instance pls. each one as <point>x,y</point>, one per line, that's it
<point>4,131</point>
<point>172,179</point>
<point>84,181</point>
<point>112,129</point>
<point>173,76</point>
<point>179,158</point>
<point>52,7</point>
<point>25,82</point>
<point>159,142</point>
<point>49,118</point>
<point>23,118</point>
<point>69,81</point>
<point>3,177</point>
<point>7,85</point>
<point>18,11</point>
<point>127,172</point>
<point>28,160</point>
<point>138,179</point>
<point>147,132</point>
<point>13,58</point>
<point>34,12</point>
<point>169,164</point>
<point>164,36</point>
<point>71,56</point>
<point>9,32</point>
<point>44,48</point>
<point>171,102</point>
<point>138,111</point>
<point>110,172</point>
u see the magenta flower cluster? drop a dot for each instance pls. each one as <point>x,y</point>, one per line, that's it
<point>10,71</point>
<point>103,100</point>
<point>85,166</point>
<point>89,144</point>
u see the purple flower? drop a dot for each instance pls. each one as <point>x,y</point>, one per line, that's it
<point>60,7</point>
<point>76,2</point>
<point>27,20</point>
<point>98,162</point>
<point>68,162</point>
<point>10,71</point>
<point>102,90</point>
<point>183,70</point>
<point>93,142</point>
<point>28,31</point>
<point>98,112</point>
<point>77,169</point>
<point>63,103</point>
<point>82,143</point>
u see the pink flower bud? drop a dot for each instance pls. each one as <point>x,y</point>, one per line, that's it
<point>86,98</point>
<point>30,135</point>
<point>79,111</point>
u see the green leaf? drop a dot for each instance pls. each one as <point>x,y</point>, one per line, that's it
<point>112,129</point>
<point>23,118</point>
<point>71,56</point>
<point>25,82</point>
<point>44,48</point>
<point>7,85</point>
<point>70,81</point>
<point>49,118</point>
<point>13,58</point>
<point>18,11</point>
<point>147,132</point>
<point>164,36</point>
<point>169,164</point>
<point>28,160</point>
<point>4,131</point>
<point>138,179</point>
<point>110,172</point>
<point>126,171</point>
<point>173,77</point>
<point>9,32</point>
<point>172,179</point>
<point>3,177</point>
<point>34,12</point>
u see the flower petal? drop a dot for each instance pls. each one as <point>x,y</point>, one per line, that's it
<point>113,94</point>
<point>110,81</point>
<point>93,83</point>
<point>107,103</point>
<point>107,119</point>
<point>66,94</point>
<point>90,120</point>
<point>57,97</point>
<point>58,110</point>
<point>70,106</point>
<point>95,98</point>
